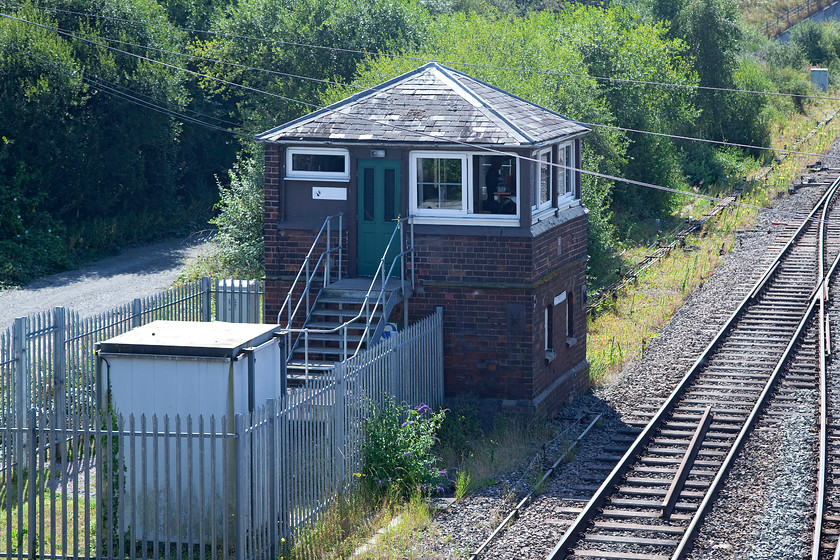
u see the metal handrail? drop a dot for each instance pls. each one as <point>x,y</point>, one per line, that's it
<point>364,309</point>
<point>311,275</point>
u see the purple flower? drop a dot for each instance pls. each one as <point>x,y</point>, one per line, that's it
<point>442,473</point>
<point>439,490</point>
<point>423,408</point>
<point>408,453</point>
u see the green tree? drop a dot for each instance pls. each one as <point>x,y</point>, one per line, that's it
<point>239,240</point>
<point>547,58</point>
<point>618,43</point>
<point>80,149</point>
<point>294,38</point>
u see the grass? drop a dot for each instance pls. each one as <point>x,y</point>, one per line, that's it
<point>757,12</point>
<point>474,451</point>
<point>61,514</point>
<point>353,518</point>
<point>622,330</point>
<point>480,453</point>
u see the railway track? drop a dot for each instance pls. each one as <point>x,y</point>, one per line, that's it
<point>652,503</point>
<point>825,544</point>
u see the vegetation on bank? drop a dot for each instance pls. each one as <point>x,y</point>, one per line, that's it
<point>87,164</point>
<point>412,454</point>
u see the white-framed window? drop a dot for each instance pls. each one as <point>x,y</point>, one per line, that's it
<point>567,176</point>
<point>544,185</point>
<point>439,183</point>
<point>548,327</point>
<point>472,188</point>
<point>318,164</point>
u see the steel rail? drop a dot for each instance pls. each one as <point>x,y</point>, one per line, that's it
<point>527,499</point>
<point>575,531</point>
<point>823,417</point>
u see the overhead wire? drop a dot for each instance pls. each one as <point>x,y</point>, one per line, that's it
<point>359,88</point>
<point>426,59</point>
<point>122,94</point>
<point>472,147</point>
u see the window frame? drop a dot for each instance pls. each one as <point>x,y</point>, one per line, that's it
<point>414,158</point>
<point>466,215</point>
<point>568,174</point>
<point>538,206</point>
<point>302,175</point>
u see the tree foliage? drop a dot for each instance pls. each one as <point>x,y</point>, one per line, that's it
<point>97,148</point>
<point>547,58</point>
<point>240,219</point>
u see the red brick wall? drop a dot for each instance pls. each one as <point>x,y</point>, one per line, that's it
<point>484,283</point>
<point>475,279</point>
<point>274,257</point>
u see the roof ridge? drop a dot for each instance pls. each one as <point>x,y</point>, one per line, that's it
<point>512,129</point>
<point>487,113</point>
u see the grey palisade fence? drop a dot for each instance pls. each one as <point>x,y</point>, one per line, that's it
<point>78,480</point>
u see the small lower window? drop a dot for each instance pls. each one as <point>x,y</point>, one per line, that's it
<point>318,164</point>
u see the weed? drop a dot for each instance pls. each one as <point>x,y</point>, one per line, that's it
<point>538,481</point>
<point>463,485</point>
<point>398,449</point>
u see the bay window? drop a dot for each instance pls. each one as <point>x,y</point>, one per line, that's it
<point>478,189</point>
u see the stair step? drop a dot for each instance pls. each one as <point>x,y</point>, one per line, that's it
<point>327,351</point>
<point>350,299</point>
<point>325,325</point>
<point>313,365</point>
<point>333,337</point>
<point>350,312</point>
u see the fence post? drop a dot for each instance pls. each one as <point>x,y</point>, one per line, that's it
<point>271,476</point>
<point>21,357</point>
<point>439,355</point>
<point>206,296</point>
<point>339,413</point>
<point>33,482</point>
<point>394,364</point>
<point>241,488</point>
<point>136,310</point>
<point>59,380</point>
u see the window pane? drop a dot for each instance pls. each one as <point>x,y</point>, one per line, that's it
<point>439,183</point>
<point>390,198</point>
<point>545,177</point>
<point>368,196</point>
<point>570,185</point>
<point>328,163</point>
<point>561,175</point>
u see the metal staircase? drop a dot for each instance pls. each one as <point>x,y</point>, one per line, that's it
<point>327,318</point>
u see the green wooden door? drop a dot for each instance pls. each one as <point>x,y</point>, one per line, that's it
<point>379,210</point>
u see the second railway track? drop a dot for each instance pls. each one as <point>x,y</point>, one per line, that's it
<point>651,504</point>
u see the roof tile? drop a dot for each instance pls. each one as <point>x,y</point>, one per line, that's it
<point>426,104</point>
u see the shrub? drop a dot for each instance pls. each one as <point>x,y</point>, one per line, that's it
<point>239,241</point>
<point>398,449</point>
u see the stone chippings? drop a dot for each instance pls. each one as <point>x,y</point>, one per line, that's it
<point>767,496</point>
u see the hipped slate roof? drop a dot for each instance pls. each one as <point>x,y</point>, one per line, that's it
<point>430,105</point>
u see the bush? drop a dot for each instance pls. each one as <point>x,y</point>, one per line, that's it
<point>398,450</point>
<point>240,245</point>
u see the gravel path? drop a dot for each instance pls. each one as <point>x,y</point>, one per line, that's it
<point>751,517</point>
<point>100,286</point>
